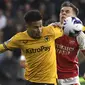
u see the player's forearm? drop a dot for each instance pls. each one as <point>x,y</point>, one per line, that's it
<point>2,49</point>
<point>81,42</point>
<point>81,57</point>
<point>83,52</point>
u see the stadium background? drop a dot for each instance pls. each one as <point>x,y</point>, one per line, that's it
<point>12,11</point>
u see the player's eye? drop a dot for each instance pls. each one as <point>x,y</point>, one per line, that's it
<point>67,11</point>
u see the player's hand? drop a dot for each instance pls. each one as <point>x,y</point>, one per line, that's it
<point>22,63</point>
<point>58,24</point>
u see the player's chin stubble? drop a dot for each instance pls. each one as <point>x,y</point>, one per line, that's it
<point>36,34</point>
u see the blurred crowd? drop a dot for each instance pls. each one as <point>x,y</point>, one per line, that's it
<point>12,13</point>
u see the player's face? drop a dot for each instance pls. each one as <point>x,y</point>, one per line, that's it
<point>66,12</point>
<point>35,29</point>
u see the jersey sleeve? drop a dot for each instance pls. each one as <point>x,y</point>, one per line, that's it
<point>81,40</point>
<point>12,43</point>
<point>83,29</point>
<point>2,48</point>
<point>58,32</point>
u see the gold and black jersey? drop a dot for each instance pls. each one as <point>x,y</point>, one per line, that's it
<point>40,54</point>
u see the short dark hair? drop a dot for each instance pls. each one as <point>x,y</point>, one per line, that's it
<point>69,4</point>
<point>32,16</point>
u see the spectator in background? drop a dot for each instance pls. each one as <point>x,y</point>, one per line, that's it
<point>10,26</point>
<point>11,67</point>
<point>5,75</point>
<point>84,76</point>
<point>18,19</point>
<point>27,7</point>
<point>2,4</point>
<point>3,20</point>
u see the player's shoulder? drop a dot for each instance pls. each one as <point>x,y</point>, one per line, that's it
<point>20,34</point>
<point>51,28</point>
<point>83,28</point>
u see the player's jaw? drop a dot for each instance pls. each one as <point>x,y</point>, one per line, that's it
<point>63,17</point>
<point>35,29</point>
<point>36,33</point>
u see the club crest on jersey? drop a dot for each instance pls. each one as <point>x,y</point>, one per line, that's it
<point>72,42</point>
<point>46,38</point>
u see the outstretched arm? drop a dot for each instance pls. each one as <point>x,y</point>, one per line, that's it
<point>2,48</point>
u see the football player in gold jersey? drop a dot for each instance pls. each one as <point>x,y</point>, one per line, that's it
<point>37,44</point>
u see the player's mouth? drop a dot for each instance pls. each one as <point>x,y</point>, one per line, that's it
<point>63,17</point>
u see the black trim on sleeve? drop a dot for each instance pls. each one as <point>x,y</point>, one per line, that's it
<point>5,46</point>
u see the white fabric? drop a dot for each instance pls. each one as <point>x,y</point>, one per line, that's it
<point>69,81</point>
<point>3,21</point>
<point>72,24</point>
<point>81,40</point>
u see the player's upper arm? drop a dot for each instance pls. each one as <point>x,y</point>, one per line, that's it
<point>12,43</point>
<point>58,32</point>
